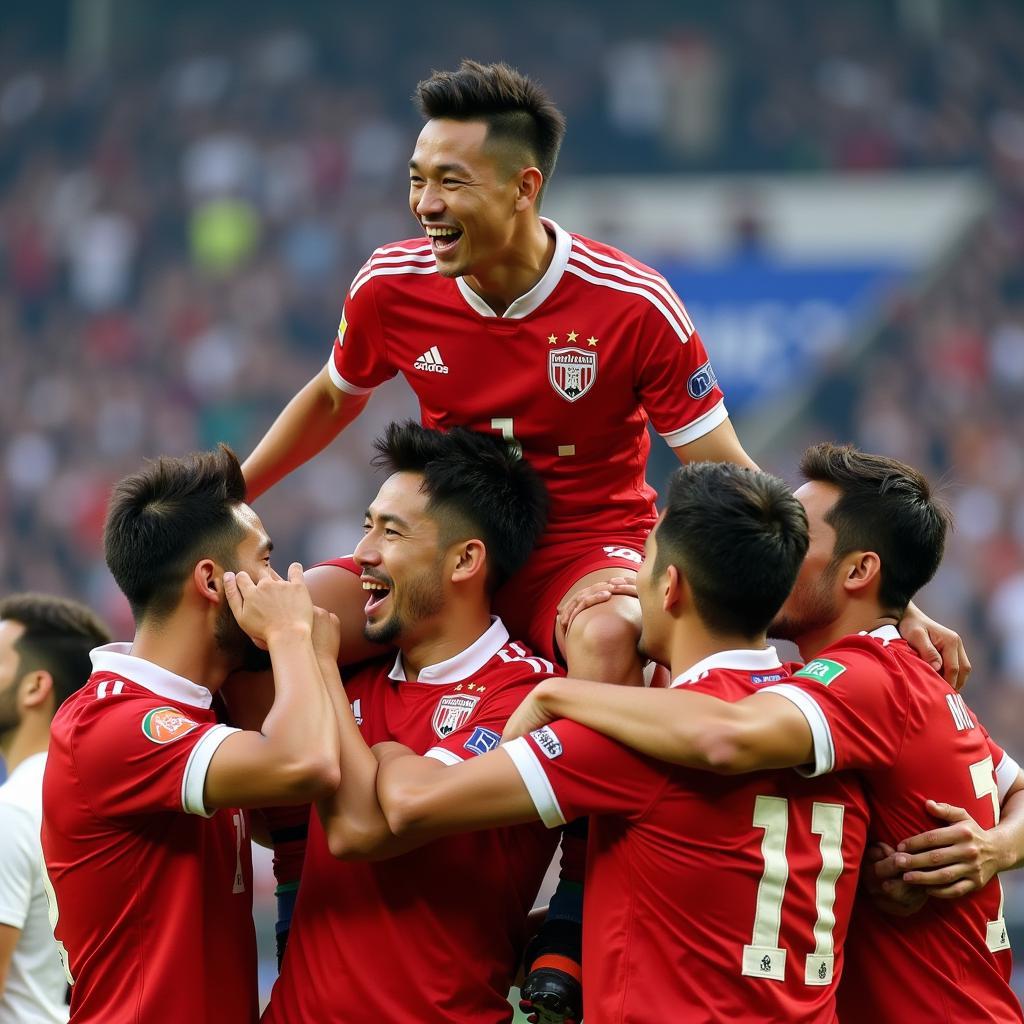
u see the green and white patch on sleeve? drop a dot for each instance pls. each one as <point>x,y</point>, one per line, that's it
<point>822,670</point>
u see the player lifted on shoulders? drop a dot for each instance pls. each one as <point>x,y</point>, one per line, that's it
<point>502,321</point>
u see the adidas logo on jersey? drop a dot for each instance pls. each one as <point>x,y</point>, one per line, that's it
<point>431,361</point>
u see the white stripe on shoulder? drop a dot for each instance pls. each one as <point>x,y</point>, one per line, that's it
<point>531,771</point>
<point>620,268</point>
<point>341,384</point>
<point>386,250</point>
<point>821,734</point>
<point>405,268</point>
<point>643,290</point>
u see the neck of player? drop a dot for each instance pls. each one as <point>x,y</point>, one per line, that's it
<point>692,642</point>
<point>32,736</point>
<point>853,619</point>
<point>184,646</point>
<point>522,263</point>
<point>441,637</point>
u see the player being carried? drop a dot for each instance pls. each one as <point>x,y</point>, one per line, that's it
<point>502,321</point>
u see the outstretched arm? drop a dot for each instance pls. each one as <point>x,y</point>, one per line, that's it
<point>306,425</point>
<point>682,727</point>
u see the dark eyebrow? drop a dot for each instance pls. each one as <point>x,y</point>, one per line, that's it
<point>266,547</point>
<point>442,168</point>
<point>388,517</point>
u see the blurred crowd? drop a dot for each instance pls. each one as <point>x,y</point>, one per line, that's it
<point>181,211</point>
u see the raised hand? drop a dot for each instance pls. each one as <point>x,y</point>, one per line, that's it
<point>271,608</point>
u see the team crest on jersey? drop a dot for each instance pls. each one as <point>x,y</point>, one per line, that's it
<point>572,371</point>
<point>701,381</point>
<point>162,725</point>
<point>452,712</point>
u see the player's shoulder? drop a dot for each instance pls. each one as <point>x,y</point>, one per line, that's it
<point>401,264</point>
<point>880,657</point>
<point>587,250</point>
<point>514,664</point>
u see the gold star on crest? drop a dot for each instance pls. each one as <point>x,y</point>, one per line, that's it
<point>572,336</point>
<point>552,339</point>
<point>459,687</point>
<point>592,341</point>
<point>480,689</point>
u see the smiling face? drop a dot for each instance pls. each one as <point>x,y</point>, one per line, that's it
<point>402,561</point>
<point>816,598</point>
<point>463,195</point>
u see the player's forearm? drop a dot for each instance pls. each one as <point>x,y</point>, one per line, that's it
<point>306,425</point>
<point>353,820</point>
<point>685,728</point>
<point>300,728</point>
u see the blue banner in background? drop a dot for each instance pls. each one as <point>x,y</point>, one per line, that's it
<point>768,326</point>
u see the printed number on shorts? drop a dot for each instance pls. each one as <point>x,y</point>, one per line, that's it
<point>626,553</point>
<point>763,957</point>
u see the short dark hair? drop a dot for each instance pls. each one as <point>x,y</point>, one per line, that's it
<point>165,518</point>
<point>738,536</point>
<point>518,113</point>
<point>476,485</point>
<point>58,635</point>
<point>887,507</point>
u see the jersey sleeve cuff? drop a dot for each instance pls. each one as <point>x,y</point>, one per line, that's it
<point>343,385</point>
<point>821,734</point>
<point>536,781</point>
<point>1006,775</point>
<point>443,755</point>
<point>697,428</point>
<point>193,782</point>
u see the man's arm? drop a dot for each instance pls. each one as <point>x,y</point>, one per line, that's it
<point>306,425</point>
<point>294,757</point>
<point>938,645</point>
<point>9,937</point>
<point>718,445</point>
<point>678,726</point>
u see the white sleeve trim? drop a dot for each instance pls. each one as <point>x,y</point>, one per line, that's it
<point>1006,775</point>
<point>699,427</point>
<point>536,781</point>
<point>824,749</point>
<point>444,756</point>
<point>341,384</point>
<point>193,781</point>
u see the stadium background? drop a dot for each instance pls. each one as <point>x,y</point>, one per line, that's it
<point>836,191</point>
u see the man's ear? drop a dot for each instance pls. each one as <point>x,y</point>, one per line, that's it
<point>863,573</point>
<point>36,688</point>
<point>469,560</point>
<point>206,579</point>
<point>531,181</point>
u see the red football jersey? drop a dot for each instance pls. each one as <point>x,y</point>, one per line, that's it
<point>707,897</point>
<point>571,372</point>
<point>151,894</point>
<point>875,707</point>
<point>436,933</point>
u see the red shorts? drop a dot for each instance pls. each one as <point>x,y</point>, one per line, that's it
<point>528,603</point>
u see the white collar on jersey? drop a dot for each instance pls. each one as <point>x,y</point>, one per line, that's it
<point>745,661</point>
<point>117,658</point>
<point>464,664</point>
<point>885,633</point>
<point>539,292</point>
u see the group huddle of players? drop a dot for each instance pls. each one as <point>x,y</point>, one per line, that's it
<point>516,533</point>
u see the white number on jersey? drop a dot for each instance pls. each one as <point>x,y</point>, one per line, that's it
<point>763,957</point>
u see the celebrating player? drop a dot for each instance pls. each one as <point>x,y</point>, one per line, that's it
<point>44,658</point>
<point>435,933</point>
<point>145,840</point>
<point>503,322</point>
<point>688,915</point>
<point>864,701</point>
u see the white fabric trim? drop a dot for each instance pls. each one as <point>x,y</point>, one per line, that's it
<point>1006,775</point>
<point>464,664</point>
<point>641,290</point>
<point>340,383</point>
<point>444,756</point>
<point>744,660</point>
<point>884,633</point>
<point>117,658</point>
<point>821,734</point>
<point>625,272</point>
<point>535,297</point>
<point>697,428</point>
<point>193,779</point>
<point>531,771</point>
<point>389,271</point>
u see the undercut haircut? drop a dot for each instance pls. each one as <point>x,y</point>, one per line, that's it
<point>57,636</point>
<point>520,116</point>
<point>167,517</point>
<point>887,507</point>
<point>738,536</point>
<point>477,485</point>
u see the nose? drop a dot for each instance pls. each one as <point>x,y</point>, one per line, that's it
<point>429,202</point>
<point>366,552</point>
